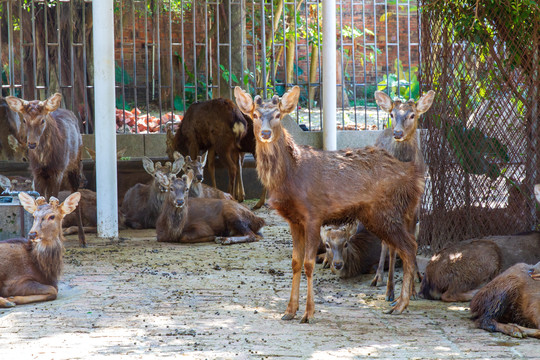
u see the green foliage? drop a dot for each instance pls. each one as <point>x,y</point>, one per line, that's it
<point>401,84</point>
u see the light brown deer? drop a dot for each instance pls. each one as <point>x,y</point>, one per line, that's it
<point>142,202</point>
<point>194,220</point>
<point>458,271</point>
<point>510,303</point>
<point>401,141</point>
<point>16,183</point>
<point>29,269</point>
<point>54,146</point>
<point>311,188</point>
<point>197,188</point>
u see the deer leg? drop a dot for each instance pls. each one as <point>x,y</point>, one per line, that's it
<point>5,303</point>
<point>299,243</point>
<point>449,296</point>
<point>261,201</point>
<point>390,282</point>
<point>239,181</point>
<point>32,292</point>
<point>232,168</point>
<point>379,275</point>
<point>75,230</point>
<point>509,329</point>
<point>74,181</point>
<point>237,239</point>
<point>312,241</point>
<point>211,159</point>
<point>407,252</point>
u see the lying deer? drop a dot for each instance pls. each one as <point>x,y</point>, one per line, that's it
<point>16,183</point>
<point>350,250</point>
<point>311,188</point>
<point>458,271</point>
<point>54,146</point>
<point>29,269</point>
<point>510,303</point>
<point>142,202</point>
<point>194,220</point>
<point>401,141</point>
<point>197,188</point>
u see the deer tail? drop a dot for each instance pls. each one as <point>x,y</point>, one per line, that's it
<point>239,129</point>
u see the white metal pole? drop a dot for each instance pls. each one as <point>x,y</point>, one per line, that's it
<point>329,75</point>
<point>104,107</point>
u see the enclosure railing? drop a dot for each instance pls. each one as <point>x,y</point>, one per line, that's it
<point>170,53</point>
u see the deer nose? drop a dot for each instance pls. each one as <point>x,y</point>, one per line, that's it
<point>199,178</point>
<point>398,134</point>
<point>32,145</point>
<point>265,134</point>
<point>179,203</point>
<point>32,235</point>
<point>338,265</point>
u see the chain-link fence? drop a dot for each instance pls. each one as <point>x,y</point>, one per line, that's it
<point>482,138</point>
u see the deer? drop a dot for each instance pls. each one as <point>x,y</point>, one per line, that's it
<point>29,269</point>
<point>194,220</point>
<point>310,188</point>
<point>219,127</point>
<point>510,303</point>
<point>197,188</point>
<point>350,250</point>
<point>16,183</point>
<point>54,146</point>
<point>401,141</point>
<point>457,272</point>
<point>142,202</point>
<point>11,131</point>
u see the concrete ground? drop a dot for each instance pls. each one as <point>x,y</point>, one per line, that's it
<point>139,299</point>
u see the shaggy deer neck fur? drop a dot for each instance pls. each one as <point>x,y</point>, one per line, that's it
<point>49,259</point>
<point>171,221</point>
<point>48,152</point>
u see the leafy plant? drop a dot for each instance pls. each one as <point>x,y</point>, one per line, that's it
<point>401,84</point>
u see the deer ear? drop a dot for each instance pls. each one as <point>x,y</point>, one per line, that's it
<point>53,103</point>
<point>15,103</point>
<point>177,155</point>
<point>5,182</point>
<point>243,100</point>
<point>188,178</point>
<point>148,165</point>
<point>424,103</point>
<point>289,100</point>
<point>70,204</point>
<point>537,192</point>
<point>203,158</point>
<point>177,165</point>
<point>384,101</point>
<point>27,202</point>
<point>324,233</point>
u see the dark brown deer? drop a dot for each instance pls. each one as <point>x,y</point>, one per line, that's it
<point>350,250</point>
<point>311,188</point>
<point>401,141</point>
<point>510,303</point>
<point>457,272</point>
<point>11,130</point>
<point>197,188</point>
<point>29,269</point>
<point>219,127</point>
<point>54,145</point>
<point>196,220</point>
<point>142,202</point>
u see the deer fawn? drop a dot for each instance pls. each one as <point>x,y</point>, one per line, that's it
<point>400,140</point>
<point>188,220</point>
<point>510,303</point>
<point>311,188</point>
<point>197,188</point>
<point>142,202</point>
<point>54,146</point>
<point>29,269</point>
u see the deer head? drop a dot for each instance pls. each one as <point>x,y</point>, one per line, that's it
<point>47,225</point>
<point>267,115</point>
<point>35,115</point>
<point>197,165</point>
<point>163,174</point>
<point>179,190</point>
<point>404,115</point>
<point>336,241</point>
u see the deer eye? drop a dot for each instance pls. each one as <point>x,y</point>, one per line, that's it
<point>255,116</point>
<point>345,245</point>
<point>24,121</point>
<point>277,116</point>
<point>327,245</point>
<point>392,115</point>
<point>42,121</point>
<point>412,116</point>
<point>51,217</point>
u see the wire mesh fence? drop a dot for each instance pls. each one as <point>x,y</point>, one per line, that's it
<point>171,53</point>
<point>482,135</point>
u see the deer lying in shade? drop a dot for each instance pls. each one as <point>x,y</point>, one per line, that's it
<point>29,269</point>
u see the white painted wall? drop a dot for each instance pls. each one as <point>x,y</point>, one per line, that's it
<point>329,75</point>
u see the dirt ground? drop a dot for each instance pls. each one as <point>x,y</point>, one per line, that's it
<point>140,299</point>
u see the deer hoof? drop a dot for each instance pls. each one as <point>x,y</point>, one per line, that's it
<point>288,317</point>
<point>306,320</point>
<point>220,240</point>
<point>375,281</point>
<point>9,304</point>
<point>390,297</point>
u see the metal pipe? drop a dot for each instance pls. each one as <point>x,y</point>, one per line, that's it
<point>104,109</point>
<point>329,75</point>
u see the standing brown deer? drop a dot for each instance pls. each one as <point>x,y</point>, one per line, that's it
<point>219,127</point>
<point>194,220</point>
<point>54,145</point>
<point>142,202</point>
<point>401,141</point>
<point>510,303</point>
<point>311,188</point>
<point>29,269</point>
